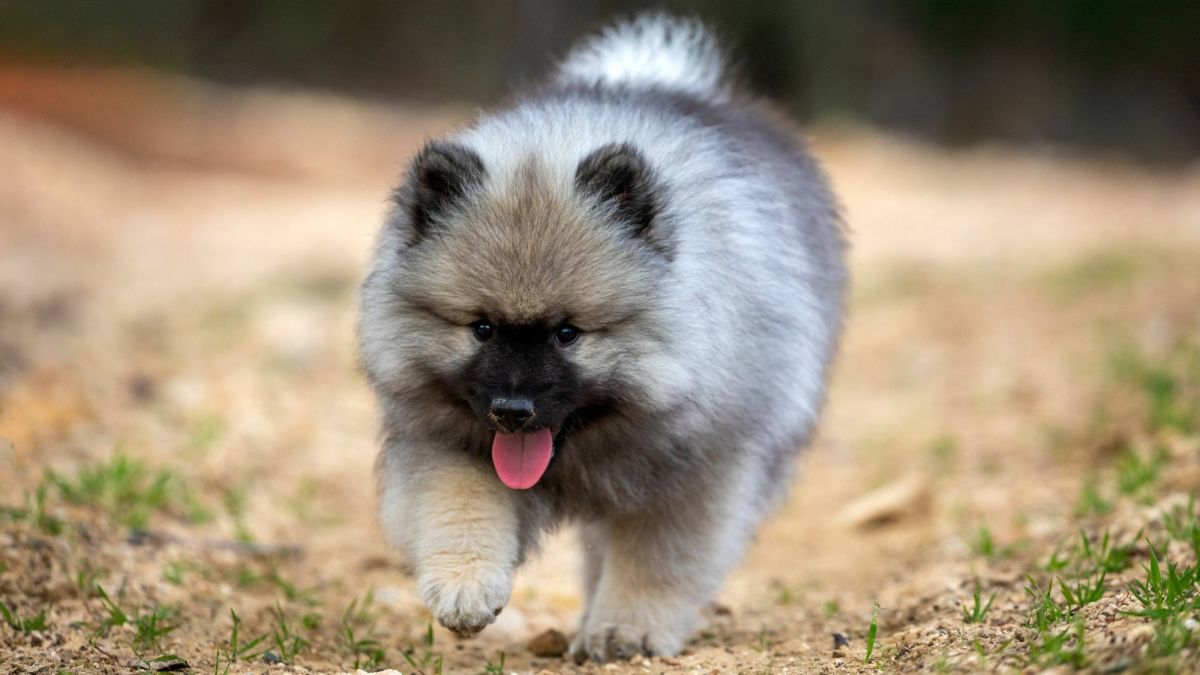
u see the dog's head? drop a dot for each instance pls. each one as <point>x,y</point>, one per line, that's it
<point>523,295</point>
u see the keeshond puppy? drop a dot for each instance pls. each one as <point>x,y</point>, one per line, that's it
<point>613,302</point>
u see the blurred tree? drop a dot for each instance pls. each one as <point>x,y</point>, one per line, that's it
<point>1107,73</point>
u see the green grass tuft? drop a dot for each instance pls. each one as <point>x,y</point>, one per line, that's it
<point>429,661</point>
<point>1166,596</point>
<point>984,545</point>
<point>22,625</point>
<point>357,634</point>
<point>151,627</point>
<point>236,649</point>
<point>1183,523</point>
<point>978,611</point>
<point>496,668</point>
<point>284,635</point>
<point>1061,647</point>
<point>129,492</point>
<point>1091,502</point>
<point>872,630</point>
<point>1169,383</point>
<point>116,615</point>
<point>1136,476</point>
<point>34,512</point>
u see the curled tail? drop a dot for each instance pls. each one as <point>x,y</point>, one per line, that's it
<point>651,51</point>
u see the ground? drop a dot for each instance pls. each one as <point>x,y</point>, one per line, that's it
<point>186,441</point>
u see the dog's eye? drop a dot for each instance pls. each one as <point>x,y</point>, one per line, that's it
<point>483,330</point>
<point>565,335</point>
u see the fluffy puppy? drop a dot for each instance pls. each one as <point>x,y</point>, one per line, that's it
<point>613,302</point>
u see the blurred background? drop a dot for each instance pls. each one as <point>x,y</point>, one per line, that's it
<point>1112,75</point>
<point>189,191</point>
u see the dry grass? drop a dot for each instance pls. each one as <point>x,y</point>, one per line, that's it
<point>184,438</point>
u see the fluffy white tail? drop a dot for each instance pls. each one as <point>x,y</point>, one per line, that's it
<point>652,50</point>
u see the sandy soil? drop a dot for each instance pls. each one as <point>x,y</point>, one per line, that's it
<point>177,273</point>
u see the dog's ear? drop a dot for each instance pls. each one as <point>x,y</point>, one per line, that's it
<point>619,176</point>
<point>441,175</point>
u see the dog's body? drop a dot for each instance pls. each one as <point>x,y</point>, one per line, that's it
<point>627,288</point>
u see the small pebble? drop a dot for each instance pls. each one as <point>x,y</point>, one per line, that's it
<point>270,657</point>
<point>548,643</point>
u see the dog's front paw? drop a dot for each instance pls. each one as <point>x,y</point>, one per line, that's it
<point>465,594</point>
<point>610,641</point>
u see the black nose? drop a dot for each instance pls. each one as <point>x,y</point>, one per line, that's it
<point>511,414</point>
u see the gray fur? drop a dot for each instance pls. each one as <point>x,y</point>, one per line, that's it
<point>710,335</point>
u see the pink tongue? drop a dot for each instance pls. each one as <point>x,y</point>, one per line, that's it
<point>521,459</point>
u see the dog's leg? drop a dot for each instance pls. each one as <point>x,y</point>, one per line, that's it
<point>659,569</point>
<point>459,528</point>
<point>593,538</point>
<point>594,542</point>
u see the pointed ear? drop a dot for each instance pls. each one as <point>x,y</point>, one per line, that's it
<point>618,175</point>
<point>441,175</point>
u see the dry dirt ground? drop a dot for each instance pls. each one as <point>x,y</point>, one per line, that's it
<point>183,431</point>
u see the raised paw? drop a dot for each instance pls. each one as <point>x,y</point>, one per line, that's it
<point>620,641</point>
<point>465,595</point>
